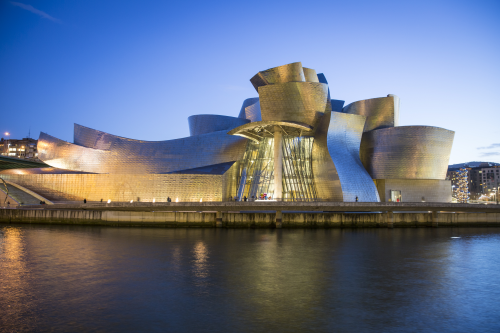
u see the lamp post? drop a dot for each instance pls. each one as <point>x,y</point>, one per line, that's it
<point>7,134</point>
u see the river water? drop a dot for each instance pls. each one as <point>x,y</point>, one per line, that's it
<point>80,279</point>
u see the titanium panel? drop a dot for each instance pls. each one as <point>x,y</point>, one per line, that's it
<point>287,73</point>
<point>39,171</point>
<point>94,187</point>
<point>310,75</point>
<point>344,138</point>
<point>337,105</point>
<point>302,102</point>
<point>380,112</point>
<point>209,123</point>
<point>127,156</point>
<point>250,109</point>
<point>407,152</point>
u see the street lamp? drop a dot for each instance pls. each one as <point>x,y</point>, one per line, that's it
<point>7,134</point>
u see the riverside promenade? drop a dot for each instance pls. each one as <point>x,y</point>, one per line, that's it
<point>270,214</point>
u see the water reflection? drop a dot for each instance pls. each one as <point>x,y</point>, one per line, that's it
<point>200,253</point>
<point>54,278</point>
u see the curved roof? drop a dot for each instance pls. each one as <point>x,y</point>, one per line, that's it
<point>380,112</point>
<point>208,123</point>
<point>100,152</point>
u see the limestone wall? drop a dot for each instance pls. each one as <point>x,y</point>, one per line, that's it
<point>194,219</point>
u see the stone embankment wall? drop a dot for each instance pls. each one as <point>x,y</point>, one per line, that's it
<point>235,220</point>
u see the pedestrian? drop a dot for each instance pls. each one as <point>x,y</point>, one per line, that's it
<point>84,201</point>
<point>41,202</point>
<point>8,204</point>
<point>356,198</point>
<point>245,198</point>
<point>101,200</point>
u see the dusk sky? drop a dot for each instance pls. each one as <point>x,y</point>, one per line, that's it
<point>139,69</point>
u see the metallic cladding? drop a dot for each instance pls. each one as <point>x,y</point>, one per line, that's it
<point>380,112</point>
<point>407,152</point>
<point>287,73</point>
<point>126,156</point>
<point>95,187</point>
<point>250,109</point>
<point>208,123</point>
<point>325,173</point>
<point>337,105</point>
<point>344,138</point>
<point>310,75</point>
<point>40,171</point>
<point>302,102</point>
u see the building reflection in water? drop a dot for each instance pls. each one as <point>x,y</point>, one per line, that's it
<point>245,280</point>
<point>17,301</point>
<point>200,253</point>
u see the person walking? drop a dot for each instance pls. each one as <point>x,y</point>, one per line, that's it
<point>356,198</point>
<point>84,201</point>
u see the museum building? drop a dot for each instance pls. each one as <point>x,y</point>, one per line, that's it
<point>291,143</point>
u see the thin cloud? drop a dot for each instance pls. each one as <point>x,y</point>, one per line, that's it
<point>492,146</point>
<point>35,11</point>
<point>491,153</point>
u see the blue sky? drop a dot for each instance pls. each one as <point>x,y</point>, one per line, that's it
<point>138,69</point>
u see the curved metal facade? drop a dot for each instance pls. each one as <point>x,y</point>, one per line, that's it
<point>407,152</point>
<point>251,109</point>
<point>380,112</point>
<point>344,138</point>
<point>302,102</point>
<point>323,154</point>
<point>126,156</point>
<point>208,123</point>
<point>287,73</point>
<point>310,75</point>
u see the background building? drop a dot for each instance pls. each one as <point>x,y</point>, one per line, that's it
<point>484,177</point>
<point>25,148</point>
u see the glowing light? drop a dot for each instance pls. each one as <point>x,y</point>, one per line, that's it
<point>462,192</point>
<point>177,200</point>
<point>455,237</point>
<point>7,133</point>
<point>131,201</point>
<point>109,200</point>
<point>153,200</point>
<point>201,200</point>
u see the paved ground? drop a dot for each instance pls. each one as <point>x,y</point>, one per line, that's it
<point>277,206</point>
